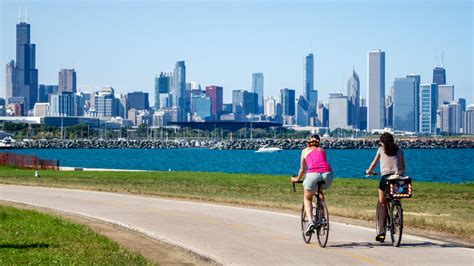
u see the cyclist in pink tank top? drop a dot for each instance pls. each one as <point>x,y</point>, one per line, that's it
<point>314,163</point>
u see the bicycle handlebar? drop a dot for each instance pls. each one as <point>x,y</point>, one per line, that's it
<point>293,183</point>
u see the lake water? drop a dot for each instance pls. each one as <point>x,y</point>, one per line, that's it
<point>440,165</point>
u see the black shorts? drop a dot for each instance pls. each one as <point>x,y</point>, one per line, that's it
<point>383,182</point>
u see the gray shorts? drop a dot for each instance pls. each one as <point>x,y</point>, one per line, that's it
<point>311,180</point>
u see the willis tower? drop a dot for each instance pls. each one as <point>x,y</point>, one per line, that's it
<point>26,72</point>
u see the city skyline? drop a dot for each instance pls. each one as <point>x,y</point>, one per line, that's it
<point>241,79</point>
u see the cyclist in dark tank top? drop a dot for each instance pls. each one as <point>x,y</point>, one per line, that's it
<point>391,161</point>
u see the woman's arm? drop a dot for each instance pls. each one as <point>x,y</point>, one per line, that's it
<point>373,164</point>
<point>302,168</point>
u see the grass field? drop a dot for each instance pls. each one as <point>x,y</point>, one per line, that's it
<point>447,208</point>
<point>29,237</point>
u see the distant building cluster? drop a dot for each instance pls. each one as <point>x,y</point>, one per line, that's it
<point>410,105</point>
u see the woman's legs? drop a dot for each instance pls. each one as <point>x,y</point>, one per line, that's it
<point>308,203</point>
<point>382,210</point>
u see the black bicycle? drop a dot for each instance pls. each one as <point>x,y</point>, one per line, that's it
<point>321,218</point>
<point>398,187</point>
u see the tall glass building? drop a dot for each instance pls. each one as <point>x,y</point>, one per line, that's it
<point>163,86</point>
<point>257,87</point>
<point>26,72</point>
<point>375,90</point>
<point>428,100</point>
<point>137,100</point>
<point>67,80</point>
<point>179,91</point>
<point>216,93</point>
<point>308,75</point>
<point>405,104</point>
<point>201,106</point>
<point>302,112</point>
<point>287,100</point>
<point>353,94</point>
<point>439,76</point>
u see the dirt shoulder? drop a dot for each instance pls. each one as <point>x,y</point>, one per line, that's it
<point>153,250</point>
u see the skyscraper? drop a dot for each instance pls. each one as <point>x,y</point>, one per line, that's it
<point>62,104</point>
<point>67,80</point>
<point>243,103</point>
<point>201,106</point>
<point>308,75</point>
<point>353,94</point>
<point>405,104</point>
<point>105,104</point>
<point>179,90</point>
<point>375,90</point>
<point>287,99</point>
<point>439,76</point>
<point>163,86</point>
<point>270,105</point>
<point>302,112</point>
<point>428,100</point>
<point>338,111</point>
<point>257,87</point>
<point>445,94</point>
<point>450,115</point>
<point>10,79</point>
<point>26,72</point>
<point>469,120</point>
<point>216,94</point>
<point>137,100</point>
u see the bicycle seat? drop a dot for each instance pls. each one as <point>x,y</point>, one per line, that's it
<point>320,183</point>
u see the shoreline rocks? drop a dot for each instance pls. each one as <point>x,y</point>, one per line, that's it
<point>240,144</point>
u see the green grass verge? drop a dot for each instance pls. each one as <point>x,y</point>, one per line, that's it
<point>441,207</point>
<point>30,237</point>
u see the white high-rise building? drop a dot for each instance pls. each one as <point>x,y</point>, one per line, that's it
<point>270,107</point>
<point>428,99</point>
<point>450,118</point>
<point>445,94</point>
<point>469,120</point>
<point>257,87</point>
<point>338,111</point>
<point>375,90</point>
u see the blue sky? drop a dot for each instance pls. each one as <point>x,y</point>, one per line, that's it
<point>126,43</point>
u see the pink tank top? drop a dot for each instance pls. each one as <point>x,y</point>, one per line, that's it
<point>316,161</point>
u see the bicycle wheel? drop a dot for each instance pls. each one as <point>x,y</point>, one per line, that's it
<point>322,228</point>
<point>305,220</point>
<point>396,228</point>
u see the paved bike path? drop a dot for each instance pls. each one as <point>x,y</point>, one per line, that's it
<point>233,235</point>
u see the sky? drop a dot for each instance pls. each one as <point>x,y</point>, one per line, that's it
<point>125,44</point>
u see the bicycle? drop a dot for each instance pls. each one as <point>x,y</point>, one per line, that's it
<point>321,217</point>
<point>398,187</point>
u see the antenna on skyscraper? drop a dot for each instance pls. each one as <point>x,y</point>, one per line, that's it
<point>436,58</point>
<point>26,14</point>
<point>19,14</point>
<point>442,58</point>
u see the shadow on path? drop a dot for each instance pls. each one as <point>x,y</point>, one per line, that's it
<point>388,244</point>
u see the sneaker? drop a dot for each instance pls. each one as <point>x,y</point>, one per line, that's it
<point>380,237</point>
<point>310,229</point>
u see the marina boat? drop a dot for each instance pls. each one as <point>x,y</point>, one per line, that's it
<point>268,149</point>
<point>6,143</point>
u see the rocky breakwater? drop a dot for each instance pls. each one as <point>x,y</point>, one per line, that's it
<point>240,144</point>
<point>113,144</point>
<point>289,144</point>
